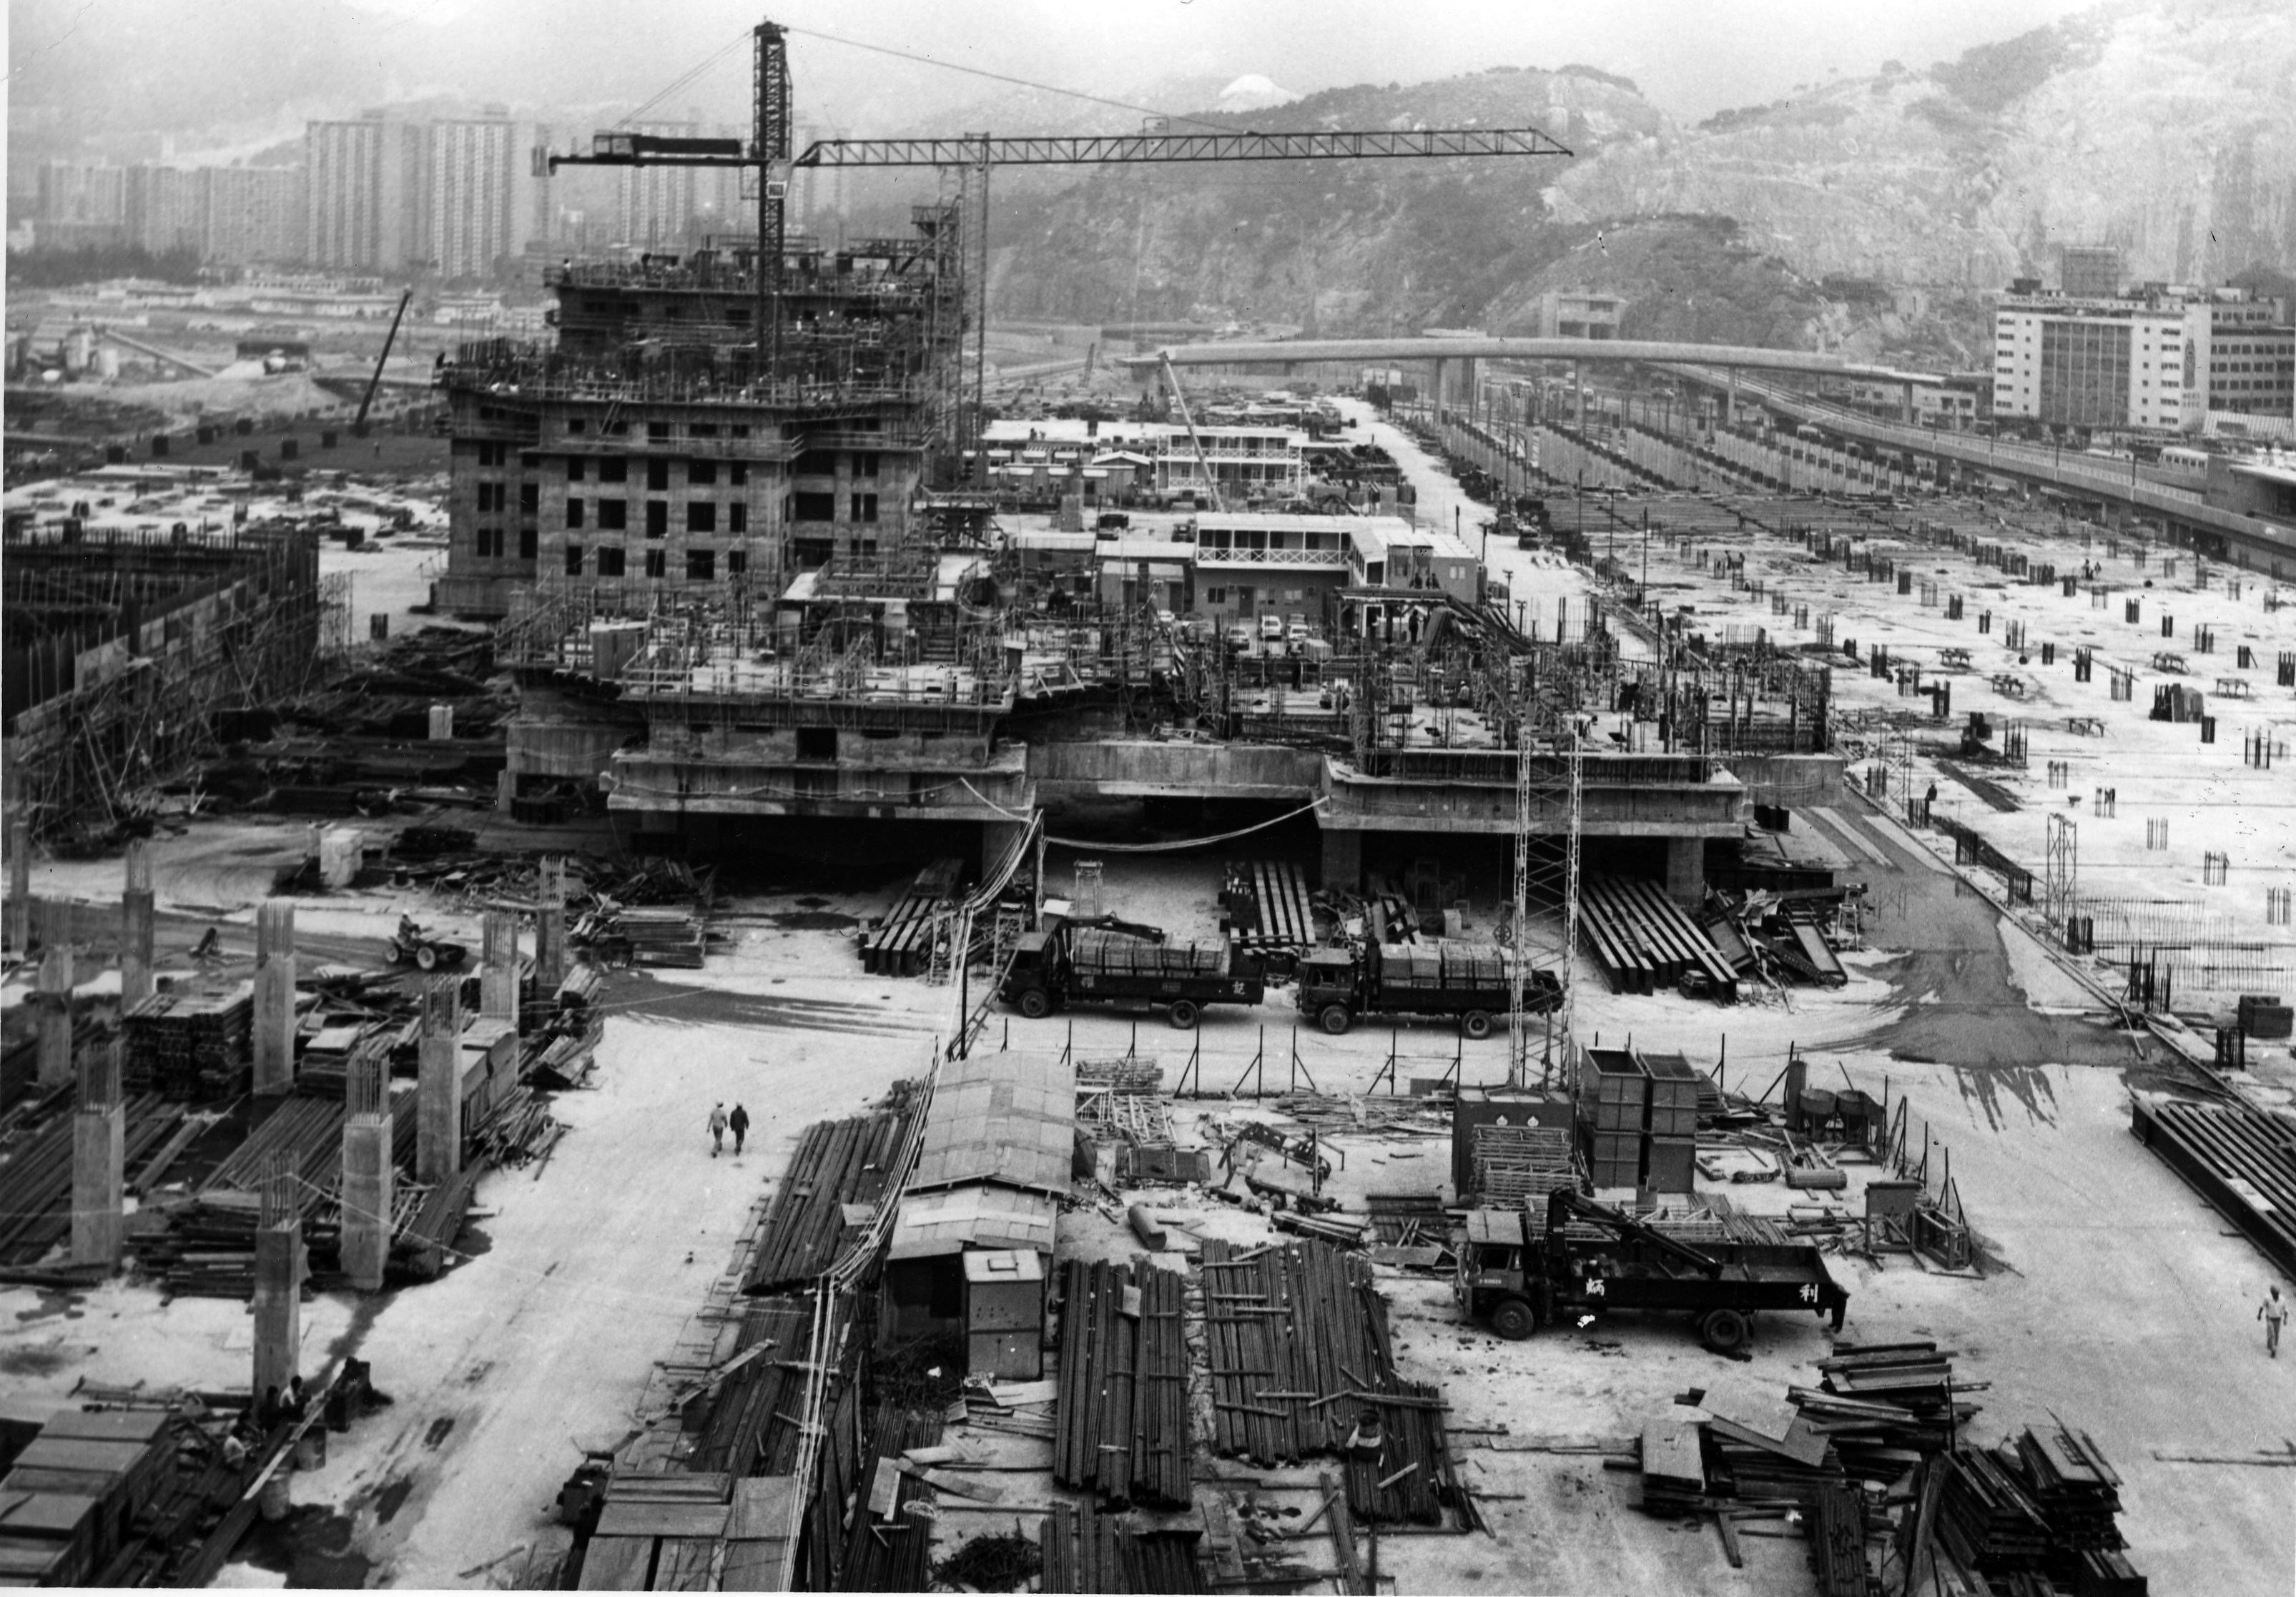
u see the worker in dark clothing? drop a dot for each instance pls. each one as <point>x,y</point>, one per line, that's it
<point>298,1404</point>
<point>269,1415</point>
<point>738,1123</point>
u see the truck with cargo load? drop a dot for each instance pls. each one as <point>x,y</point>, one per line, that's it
<point>1469,982</point>
<point>1516,1275</point>
<point>1068,963</point>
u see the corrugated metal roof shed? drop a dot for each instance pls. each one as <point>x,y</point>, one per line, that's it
<point>1008,1118</point>
<point>956,1218</point>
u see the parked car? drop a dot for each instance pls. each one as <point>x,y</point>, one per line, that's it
<point>1271,627</point>
<point>1239,636</point>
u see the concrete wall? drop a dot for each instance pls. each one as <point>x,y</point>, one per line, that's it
<point>1150,770</point>
<point>1795,780</point>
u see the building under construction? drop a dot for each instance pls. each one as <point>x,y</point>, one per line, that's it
<point>127,653</point>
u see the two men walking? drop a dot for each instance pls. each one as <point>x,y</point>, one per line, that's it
<point>720,1123</point>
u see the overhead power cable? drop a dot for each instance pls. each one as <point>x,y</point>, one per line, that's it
<point>1025,83</point>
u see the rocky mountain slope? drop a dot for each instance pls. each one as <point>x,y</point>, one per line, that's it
<point>2165,127</point>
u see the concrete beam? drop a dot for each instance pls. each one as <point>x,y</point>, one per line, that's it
<point>278,1269</point>
<point>368,1180</point>
<point>136,928</point>
<point>99,1162</point>
<point>274,999</point>
<point>16,935</point>
<point>438,1086</point>
<point>54,997</point>
<point>550,927</point>
<point>498,969</point>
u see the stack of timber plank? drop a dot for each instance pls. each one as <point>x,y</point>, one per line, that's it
<point>1121,1424</point>
<point>901,943</point>
<point>189,1045</point>
<point>1521,1164</point>
<point>1087,1551</point>
<point>659,1532</point>
<point>675,935</point>
<point>1133,1076</point>
<point>837,1163</point>
<point>1301,1357</point>
<point>1645,941</point>
<point>886,1551</point>
<point>1837,1541</point>
<point>1267,906</point>
<point>741,1415</point>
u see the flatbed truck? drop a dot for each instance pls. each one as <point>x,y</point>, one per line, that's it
<point>1339,984</point>
<point>1066,963</point>
<point>1516,1276</point>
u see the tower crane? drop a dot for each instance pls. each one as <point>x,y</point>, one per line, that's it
<point>768,153</point>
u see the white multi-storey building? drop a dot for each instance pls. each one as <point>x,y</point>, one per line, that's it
<point>2160,359</point>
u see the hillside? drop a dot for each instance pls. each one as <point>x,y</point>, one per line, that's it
<point>2164,127</point>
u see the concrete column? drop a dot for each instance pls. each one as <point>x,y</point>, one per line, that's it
<point>274,999</point>
<point>1685,869</point>
<point>1342,861</point>
<point>278,1269</point>
<point>550,927</point>
<point>17,933</point>
<point>55,1029</point>
<point>99,1161</point>
<point>368,1182</point>
<point>498,974</point>
<point>136,929</point>
<point>439,1119</point>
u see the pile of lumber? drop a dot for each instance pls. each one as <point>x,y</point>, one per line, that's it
<point>1120,1427</point>
<point>1518,1164</point>
<point>886,1548</point>
<point>1385,1114</point>
<point>2042,1505</point>
<point>742,1413</point>
<point>901,944</point>
<point>1301,1362</point>
<point>668,935</point>
<point>562,1057</point>
<point>838,1163</point>
<point>36,1171</point>
<point>189,1045</point>
<point>518,1129</point>
<point>1085,1551</point>
<point>1645,942</point>
<point>1266,903</point>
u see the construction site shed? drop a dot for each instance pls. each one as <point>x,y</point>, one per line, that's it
<point>999,1142</point>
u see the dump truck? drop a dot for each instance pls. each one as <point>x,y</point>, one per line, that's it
<point>1518,1273</point>
<point>1469,982</point>
<point>1068,963</point>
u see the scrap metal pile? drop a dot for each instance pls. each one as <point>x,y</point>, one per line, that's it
<point>418,720</point>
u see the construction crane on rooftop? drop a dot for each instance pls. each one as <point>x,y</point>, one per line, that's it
<point>768,154</point>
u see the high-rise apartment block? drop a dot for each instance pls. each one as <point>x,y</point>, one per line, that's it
<point>478,196</point>
<point>366,181</point>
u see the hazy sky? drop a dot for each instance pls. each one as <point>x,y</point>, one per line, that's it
<point>250,64</point>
